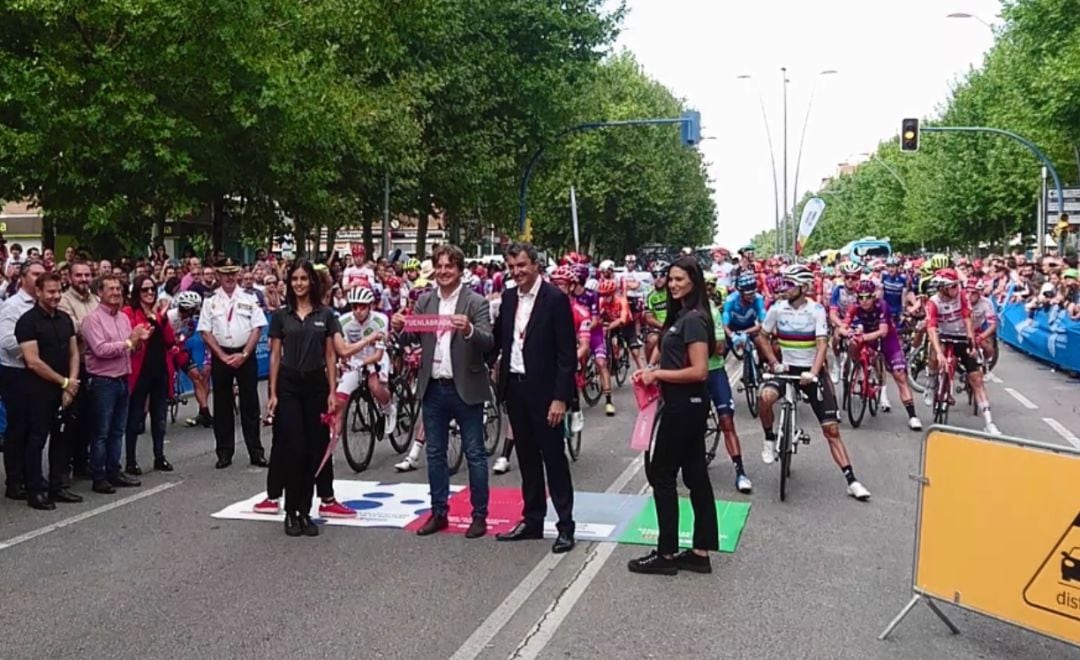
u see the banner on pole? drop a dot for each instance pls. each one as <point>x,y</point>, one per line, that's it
<point>811,213</point>
<point>573,216</point>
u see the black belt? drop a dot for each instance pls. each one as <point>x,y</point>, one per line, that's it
<point>123,378</point>
<point>446,382</point>
<point>232,351</point>
<point>517,378</point>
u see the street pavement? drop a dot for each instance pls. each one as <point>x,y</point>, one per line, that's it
<point>147,573</point>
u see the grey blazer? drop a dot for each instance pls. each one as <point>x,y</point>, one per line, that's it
<point>466,355</point>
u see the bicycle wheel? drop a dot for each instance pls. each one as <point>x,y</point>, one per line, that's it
<point>492,425</point>
<point>712,435</point>
<point>357,434</point>
<point>622,366</point>
<point>406,418</point>
<point>941,399</point>
<point>591,391</point>
<point>918,375</point>
<point>573,440</point>
<point>994,357</point>
<point>738,350</point>
<point>858,395</point>
<point>454,452</point>
<point>750,384</point>
<point>787,436</point>
<point>876,387</point>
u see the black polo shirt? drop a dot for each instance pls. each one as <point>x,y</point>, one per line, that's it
<point>304,342</point>
<point>689,327</point>
<point>53,335</point>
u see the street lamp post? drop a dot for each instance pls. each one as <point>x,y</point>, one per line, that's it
<point>881,161</point>
<point>961,14</point>
<point>772,156</point>
<point>782,238</point>
<point>802,140</point>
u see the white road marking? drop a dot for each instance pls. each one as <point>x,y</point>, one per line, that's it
<point>67,522</point>
<point>1065,433</point>
<point>1024,401</point>
<point>994,378</point>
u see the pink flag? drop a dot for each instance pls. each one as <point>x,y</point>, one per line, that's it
<point>645,394</point>
<point>428,323</point>
<point>643,427</point>
<point>328,419</point>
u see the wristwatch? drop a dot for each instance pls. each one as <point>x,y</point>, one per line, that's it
<point>244,355</point>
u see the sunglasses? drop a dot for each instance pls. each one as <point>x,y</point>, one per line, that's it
<point>866,296</point>
<point>359,305</point>
<point>146,289</point>
<point>852,278</point>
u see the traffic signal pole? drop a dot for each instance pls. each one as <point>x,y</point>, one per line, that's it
<point>690,122</point>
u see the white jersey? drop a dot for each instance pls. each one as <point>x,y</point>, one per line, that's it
<point>354,331</point>
<point>797,330</point>
<point>644,280</point>
<point>723,274</point>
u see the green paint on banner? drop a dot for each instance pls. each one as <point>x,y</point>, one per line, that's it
<point>730,516</point>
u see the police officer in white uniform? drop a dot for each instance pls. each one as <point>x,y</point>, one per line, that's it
<point>230,324</point>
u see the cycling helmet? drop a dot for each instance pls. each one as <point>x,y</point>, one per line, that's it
<point>564,274</point>
<point>747,283</point>
<point>607,288</point>
<point>892,261</point>
<point>361,295</point>
<point>607,265</point>
<point>592,284</point>
<point>946,277</point>
<point>940,261</point>
<point>412,264</point>
<point>797,274</point>
<point>746,248</point>
<point>467,277</point>
<point>660,268</point>
<point>630,258</point>
<point>710,277</point>
<point>974,284</point>
<point>392,282</point>
<point>581,273</point>
<point>1071,274</point>
<point>865,287</point>
<point>849,268</point>
<point>188,300</point>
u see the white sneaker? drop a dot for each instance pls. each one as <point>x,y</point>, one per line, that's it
<point>768,452</point>
<point>915,424</point>
<point>407,465</point>
<point>577,422</point>
<point>390,413</point>
<point>885,405</point>
<point>992,429</point>
<point>502,465</point>
<point>858,491</point>
<point>834,371</point>
<point>742,484</point>
<point>928,397</point>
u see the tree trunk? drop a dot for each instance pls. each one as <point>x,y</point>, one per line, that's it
<point>367,235</point>
<point>453,228</point>
<point>422,229</point>
<point>331,238</point>
<point>217,229</point>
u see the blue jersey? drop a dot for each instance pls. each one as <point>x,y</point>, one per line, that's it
<point>893,286</point>
<point>740,316</point>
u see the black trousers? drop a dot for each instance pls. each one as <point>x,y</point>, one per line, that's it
<point>540,449</point>
<point>680,444</point>
<point>275,479</point>
<point>246,377</point>
<point>79,424</point>
<point>13,382</point>
<point>44,421</point>
<point>300,437</point>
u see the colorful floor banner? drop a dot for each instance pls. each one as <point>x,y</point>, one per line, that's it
<point>611,517</point>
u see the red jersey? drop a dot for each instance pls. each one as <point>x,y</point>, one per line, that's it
<point>947,315</point>
<point>582,317</point>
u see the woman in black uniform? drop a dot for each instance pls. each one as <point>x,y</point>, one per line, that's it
<point>687,340</point>
<point>303,377</point>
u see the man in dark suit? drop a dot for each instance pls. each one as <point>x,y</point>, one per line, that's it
<point>534,335</point>
<point>453,385</point>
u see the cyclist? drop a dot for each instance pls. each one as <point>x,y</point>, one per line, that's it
<point>743,312</point>
<point>948,316</point>
<point>624,283</point>
<point>870,321</point>
<point>656,308</point>
<point>801,328</point>
<point>372,361</point>
<point>720,392</point>
<point>638,285</point>
<point>614,315</point>
<point>184,318</point>
<point>843,297</point>
<point>895,286</point>
<point>412,275</point>
<point>983,318</point>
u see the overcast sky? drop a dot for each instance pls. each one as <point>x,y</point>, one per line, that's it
<point>895,58</point>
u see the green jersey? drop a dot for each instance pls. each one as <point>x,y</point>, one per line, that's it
<point>717,361</point>
<point>656,304</point>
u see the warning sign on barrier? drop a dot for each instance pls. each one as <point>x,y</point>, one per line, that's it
<point>998,531</point>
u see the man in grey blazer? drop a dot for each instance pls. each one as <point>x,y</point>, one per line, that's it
<point>453,385</point>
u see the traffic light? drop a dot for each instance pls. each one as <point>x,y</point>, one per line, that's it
<point>909,134</point>
<point>690,128</point>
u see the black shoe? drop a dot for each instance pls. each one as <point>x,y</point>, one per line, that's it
<point>653,563</point>
<point>103,486</point>
<point>292,525</point>
<point>688,560</point>
<point>260,462</point>
<point>40,501</point>
<point>308,527</point>
<point>65,496</point>
<point>82,472</point>
<point>563,543</point>
<point>477,528</point>
<point>223,463</point>
<point>15,493</point>
<point>162,465</point>
<point>133,469</point>
<point>433,524</point>
<point>521,532</point>
<point>208,421</point>
<point>123,481</point>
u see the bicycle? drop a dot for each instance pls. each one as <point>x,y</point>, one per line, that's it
<point>573,440</point>
<point>712,435</point>
<point>916,357</point>
<point>618,356</point>
<point>863,380</point>
<point>791,436</point>
<point>363,417</point>
<point>946,377</point>
<point>591,392</point>
<point>980,355</point>
<point>178,398</point>
<point>492,423</point>
<point>749,381</point>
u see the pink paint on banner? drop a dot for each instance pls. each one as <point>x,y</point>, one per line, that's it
<point>504,511</point>
<point>428,323</point>
<point>643,427</point>
<point>645,394</point>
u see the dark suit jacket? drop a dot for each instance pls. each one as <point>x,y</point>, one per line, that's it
<point>550,345</point>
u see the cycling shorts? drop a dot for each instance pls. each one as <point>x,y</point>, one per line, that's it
<point>720,392</point>
<point>629,333</point>
<point>350,380</point>
<point>597,345</point>
<point>892,351</point>
<point>821,396</point>
<point>969,363</point>
<point>182,361</point>
<point>637,306</point>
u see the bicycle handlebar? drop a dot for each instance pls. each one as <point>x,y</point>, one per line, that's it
<point>787,376</point>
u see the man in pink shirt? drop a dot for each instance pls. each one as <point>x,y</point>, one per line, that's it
<point>110,340</point>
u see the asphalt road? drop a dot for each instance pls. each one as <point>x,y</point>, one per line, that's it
<point>148,573</point>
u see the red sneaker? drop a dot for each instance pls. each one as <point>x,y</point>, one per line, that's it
<point>335,509</point>
<point>269,507</point>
